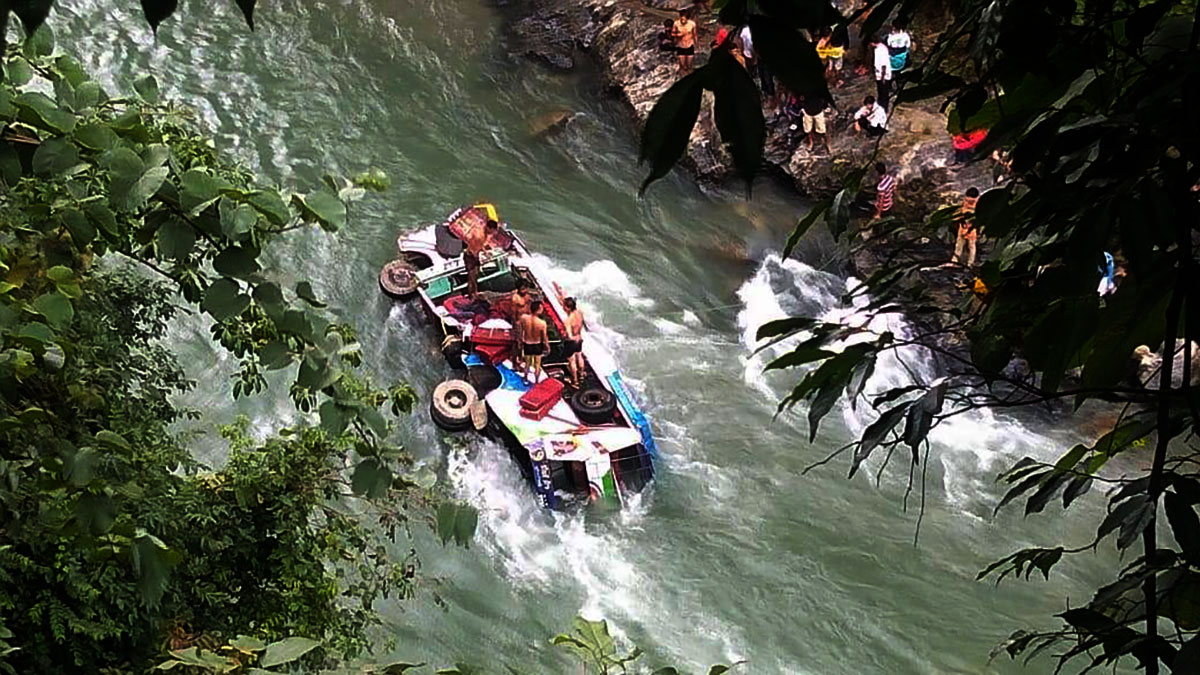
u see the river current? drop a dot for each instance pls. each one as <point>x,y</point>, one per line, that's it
<point>732,555</point>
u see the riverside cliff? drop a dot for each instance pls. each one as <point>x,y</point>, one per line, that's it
<point>621,38</point>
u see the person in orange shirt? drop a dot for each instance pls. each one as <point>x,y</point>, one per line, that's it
<point>964,245</point>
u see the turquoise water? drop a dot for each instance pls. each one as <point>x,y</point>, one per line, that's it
<point>733,555</point>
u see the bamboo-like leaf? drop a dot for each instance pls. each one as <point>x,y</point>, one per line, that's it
<point>669,126</point>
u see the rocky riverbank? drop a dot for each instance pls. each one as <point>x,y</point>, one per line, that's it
<point>621,38</point>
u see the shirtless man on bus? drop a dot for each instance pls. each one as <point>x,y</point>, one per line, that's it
<point>476,241</point>
<point>535,339</point>
<point>573,343</point>
<point>520,301</point>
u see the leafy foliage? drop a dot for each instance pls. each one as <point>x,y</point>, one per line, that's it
<point>116,216</point>
<point>1091,103</point>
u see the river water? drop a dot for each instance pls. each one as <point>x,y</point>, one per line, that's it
<point>733,555</point>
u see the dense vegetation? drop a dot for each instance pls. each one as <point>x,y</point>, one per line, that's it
<point>118,218</point>
<point>1094,103</point>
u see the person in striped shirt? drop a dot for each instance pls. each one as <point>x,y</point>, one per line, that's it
<point>885,191</point>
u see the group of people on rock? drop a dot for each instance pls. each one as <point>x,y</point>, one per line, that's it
<point>803,112</point>
<point>884,56</point>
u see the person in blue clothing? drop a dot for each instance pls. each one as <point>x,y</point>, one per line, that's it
<point>899,44</point>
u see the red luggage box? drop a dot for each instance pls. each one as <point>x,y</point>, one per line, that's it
<point>493,337</point>
<point>543,395</point>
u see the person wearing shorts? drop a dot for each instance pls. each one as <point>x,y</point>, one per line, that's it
<point>573,343</point>
<point>684,31</point>
<point>813,118</point>
<point>535,339</point>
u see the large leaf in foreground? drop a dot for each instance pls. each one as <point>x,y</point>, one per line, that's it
<point>669,126</point>
<point>738,114</point>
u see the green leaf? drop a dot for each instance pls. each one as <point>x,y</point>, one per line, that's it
<point>397,668</point>
<point>103,217</point>
<point>1078,487</point>
<point>286,651</point>
<point>151,563</point>
<point>718,670</point>
<point>55,307</point>
<point>247,644</point>
<point>176,239</point>
<point>305,291</point>
<point>334,417</point>
<point>82,232</point>
<point>146,86</point>
<point>135,195</point>
<point>40,42</point>
<point>54,156</point>
<point>270,204</point>
<point>370,478</point>
<point>224,300</point>
<point>790,57</point>
<point>35,335</point>
<point>1185,525</point>
<point>875,433</point>
<point>247,7</point>
<point>804,225</point>
<point>95,137</point>
<point>275,355</point>
<point>236,261</point>
<point>10,165</point>
<point>200,189</point>
<point>323,208</point>
<point>95,513</point>
<point>17,71</point>
<point>81,467</point>
<point>38,110</point>
<point>738,114</point>
<point>669,126</point>
<point>88,95</point>
<point>270,298</point>
<point>237,220</point>
<point>113,439</point>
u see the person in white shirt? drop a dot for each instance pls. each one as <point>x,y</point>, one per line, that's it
<point>756,67</point>
<point>883,72</point>
<point>899,44</point>
<point>871,118</point>
<point>747,44</point>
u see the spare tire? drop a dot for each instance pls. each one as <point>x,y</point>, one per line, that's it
<point>594,405</point>
<point>450,405</point>
<point>399,279</point>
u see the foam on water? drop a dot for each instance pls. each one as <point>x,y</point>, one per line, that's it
<point>971,446</point>
<point>599,558</point>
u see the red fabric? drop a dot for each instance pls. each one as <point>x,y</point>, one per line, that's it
<point>544,394</point>
<point>721,35</point>
<point>968,140</point>
<point>494,354</point>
